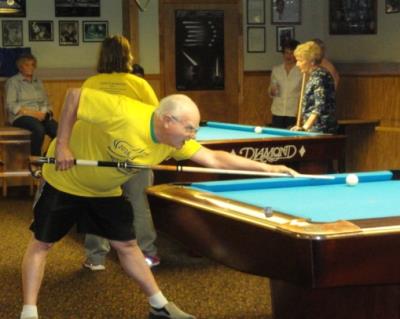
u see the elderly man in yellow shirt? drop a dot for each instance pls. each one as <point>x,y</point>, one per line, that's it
<point>101,126</point>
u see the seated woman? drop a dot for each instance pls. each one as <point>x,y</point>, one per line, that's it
<point>318,103</point>
<point>27,104</point>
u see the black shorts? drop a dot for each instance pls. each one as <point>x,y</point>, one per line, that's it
<point>55,213</point>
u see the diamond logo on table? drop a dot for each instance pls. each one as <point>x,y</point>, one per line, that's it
<point>269,154</point>
<point>302,151</point>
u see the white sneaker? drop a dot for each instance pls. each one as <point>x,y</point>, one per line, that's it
<point>170,311</point>
<point>152,261</point>
<point>94,267</point>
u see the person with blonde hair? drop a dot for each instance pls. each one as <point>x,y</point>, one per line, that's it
<point>325,63</point>
<point>318,104</point>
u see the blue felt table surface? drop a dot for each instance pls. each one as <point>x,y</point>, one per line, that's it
<point>375,196</point>
<point>223,131</point>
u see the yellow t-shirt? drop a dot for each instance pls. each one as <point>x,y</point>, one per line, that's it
<point>126,84</point>
<point>119,130</point>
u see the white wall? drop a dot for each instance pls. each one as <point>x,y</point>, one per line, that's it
<point>382,47</point>
<point>149,42</point>
<point>312,25</point>
<point>51,54</point>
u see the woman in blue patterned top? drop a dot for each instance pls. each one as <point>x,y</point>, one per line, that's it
<point>318,103</point>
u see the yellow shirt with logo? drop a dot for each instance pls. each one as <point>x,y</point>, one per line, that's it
<point>126,84</point>
<point>120,129</point>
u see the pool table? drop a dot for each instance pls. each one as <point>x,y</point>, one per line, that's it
<point>330,250</point>
<point>308,152</point>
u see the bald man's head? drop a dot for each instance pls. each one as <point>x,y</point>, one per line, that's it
<point>178,118</point>
<point>177,105</point>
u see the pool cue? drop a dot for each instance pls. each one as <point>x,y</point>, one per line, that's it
<point>176,168</point>
<point>299,109</point>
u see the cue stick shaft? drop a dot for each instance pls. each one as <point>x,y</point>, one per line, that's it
<point>176,168</point>
<point>299,108</point>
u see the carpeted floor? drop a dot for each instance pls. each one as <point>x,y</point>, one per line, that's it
<point>198,285</point>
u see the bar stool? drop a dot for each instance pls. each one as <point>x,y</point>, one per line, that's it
<point>15,147</point>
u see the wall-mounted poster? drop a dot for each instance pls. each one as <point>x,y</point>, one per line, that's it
<point>94,31</point>
<point>255,39</point>
<point>68,32</point>
<point>285,11</point>
<point>12,33</point>
<point>392,6</point>
<point>12,8</point>
<point>199,45</point>
<point>352,17</point>
<point>283,34</point>
<point>41,30</point>
<point>77,8</point>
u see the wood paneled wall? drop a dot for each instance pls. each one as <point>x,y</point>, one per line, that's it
<point>358,96</point>
<point>56,90</point>
<point>256,107</point>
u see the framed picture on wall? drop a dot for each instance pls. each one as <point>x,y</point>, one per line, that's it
<point>392,6</point>
<point>68,32</point>
<point>12,33</point>
<point>199,50</point>
<point>12,8</point>
<point>40,30</point>
<point>256,39</point>
<point>283,34</point>
<point>285,12</point>
<point>81,8</point>
<point>94,31</point>
<point>352,17</point>
<point>255,11</point>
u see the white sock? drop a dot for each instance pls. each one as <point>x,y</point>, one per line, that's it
<point>29,311</point>
<point>158,300</point>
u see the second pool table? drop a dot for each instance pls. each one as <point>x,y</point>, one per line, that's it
<point>305,151</point>
<point>330,250</point>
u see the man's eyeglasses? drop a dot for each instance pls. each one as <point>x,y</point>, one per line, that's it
<point>188,128</point>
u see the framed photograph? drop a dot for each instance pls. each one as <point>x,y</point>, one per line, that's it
<point>285,12</point>
<point>12,33</point>
<point>255,11</point>
<point>283,34</point>
<point>12,9</point>
<point>94,31</point>
<point>68,32</point>
<point>256,39</point>
<point>352,17</point>
<point>40,30</point>
<point>75,8</point>
<point>392,6</point>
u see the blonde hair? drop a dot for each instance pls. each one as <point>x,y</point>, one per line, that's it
<point>309,51</point>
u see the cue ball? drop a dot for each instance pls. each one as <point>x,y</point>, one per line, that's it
<point>351,179</point>
<point>258,129</point>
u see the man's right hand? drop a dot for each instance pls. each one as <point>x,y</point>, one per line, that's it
<point>64,157</point>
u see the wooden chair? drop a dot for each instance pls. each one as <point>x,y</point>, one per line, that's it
<point>15,148</point>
